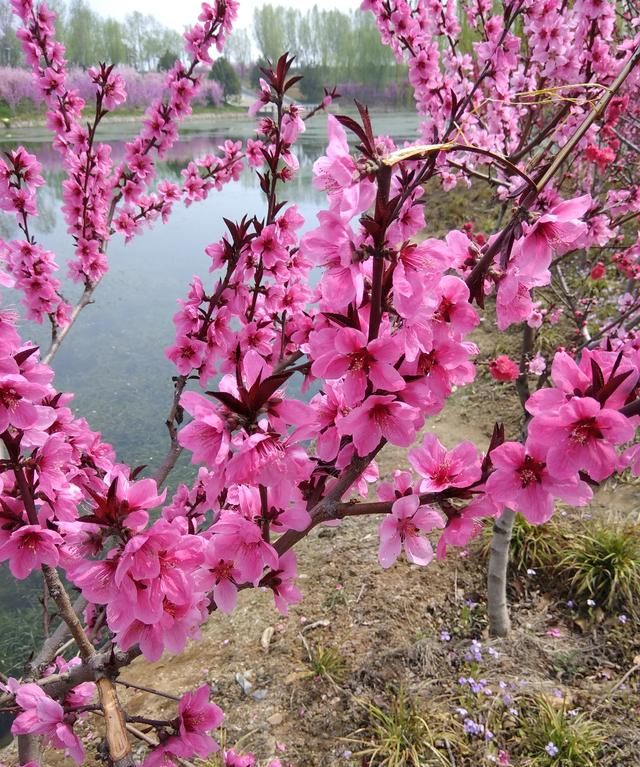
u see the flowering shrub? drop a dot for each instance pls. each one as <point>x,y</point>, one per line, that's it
<point>385,331</point>
<point>17,88</point>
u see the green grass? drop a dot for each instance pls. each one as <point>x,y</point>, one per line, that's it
<point>401,737</point>
<point>536,547</point>
<point>328,663</point>
<point>603,564</point>
<point>27,111</point>
<point>568,664</point>
<point>579,739</point>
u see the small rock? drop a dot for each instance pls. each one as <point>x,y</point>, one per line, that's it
<point>245,684</point>
<point>259,694</point>
<point>267,636</point>
<point>315,625</point>
<point>275,719</point>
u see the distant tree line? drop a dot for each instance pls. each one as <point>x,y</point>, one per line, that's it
<point>331,47</point>
<point>140,41</point>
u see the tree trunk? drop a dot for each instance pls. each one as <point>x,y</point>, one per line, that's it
<point>497,606</point>
<point>28,749</point>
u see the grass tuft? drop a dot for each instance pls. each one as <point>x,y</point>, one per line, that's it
<point>327,662</point>
<point>603,564</point>
<point>578,739</point>
<point>401,737</point>
<point>536,547</point>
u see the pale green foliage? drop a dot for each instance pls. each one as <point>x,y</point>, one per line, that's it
<point>402,737</point>
<point>10,53</point>
<point>327,662</point>
<point>537,547</point>
<point>348,44</point>
<point>578,738</point>
<point>89,37</point>
<point>603,564</point>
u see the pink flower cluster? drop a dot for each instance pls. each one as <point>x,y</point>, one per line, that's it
<point>196,719</point>
<point>30,266</point>
<point>574,435</point>
<point>381,331</point>
<point>93,188</point>
<point>42,715</point>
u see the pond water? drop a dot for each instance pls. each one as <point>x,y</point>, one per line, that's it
<point>113,358</point>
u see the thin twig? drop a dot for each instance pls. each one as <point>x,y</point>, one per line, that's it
<point>151,690</point>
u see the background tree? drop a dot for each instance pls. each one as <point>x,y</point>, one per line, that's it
<point>314,80</point>
<point>112,35</point>
<point>10,53</point>
<point>344,47</point>
<point>226,75</point>
<point>269,32</point>
<point>256,72</point>
<point>166,61</point>
<point>81,34</point>
<point>239,50</point>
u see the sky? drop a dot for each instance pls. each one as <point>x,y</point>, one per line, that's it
<point>180,13</point>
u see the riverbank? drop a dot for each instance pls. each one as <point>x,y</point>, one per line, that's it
<point>33,128</point>
<point>121,124</point>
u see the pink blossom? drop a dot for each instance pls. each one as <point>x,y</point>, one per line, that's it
<point>267,246</point>
<point>264,458</point>
<point>198,717</point>
<point>233,759</point>
<point>454,307</point>
<point>331,246</point>
<point>537,365</point>
<point>281,582</point>
<point>379,417</point>
<point>441,468</point>
<point>187,355</point>
<point>568,378</point>
<point>41,715</point>
<point>403,528</point>
<point>347,353</point>
<point>513,301</point>
<point>581,437</point>
<point>29,547</point>
<point>631,459</point>
<point>336,173</point>
<point>17,396</point>
<point>206,436</point>
<point>556,230</point>
<point>466,525</point>
<point>241,541</point>
<point>221,576</point>
<point>264,97</point>
<point>253,153</point>
<point>402,483</point>
<point>503,368</point>
<point>522,481</point>
<point>600,156</point>
<point>329,408</point>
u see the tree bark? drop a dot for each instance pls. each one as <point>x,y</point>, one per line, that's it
<point>28,749</point>
<point>497,606</point>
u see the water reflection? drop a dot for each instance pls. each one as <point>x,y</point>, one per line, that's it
<point>114,360</point>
